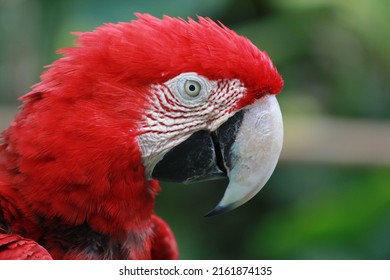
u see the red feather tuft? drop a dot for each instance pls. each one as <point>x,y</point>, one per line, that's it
<point>151,50</point>
<point>164,246</point>
<point>14,247</point>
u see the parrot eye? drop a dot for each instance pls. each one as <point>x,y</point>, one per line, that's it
<point>192,88</point>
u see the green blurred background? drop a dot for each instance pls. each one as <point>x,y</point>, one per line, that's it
<point>329,197</point>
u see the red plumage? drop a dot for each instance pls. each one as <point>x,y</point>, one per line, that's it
<point>13,246</point>
<point>70,165</point>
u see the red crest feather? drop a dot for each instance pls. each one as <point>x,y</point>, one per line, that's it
<point>151,50</point>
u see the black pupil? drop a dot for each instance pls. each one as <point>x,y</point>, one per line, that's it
<point>192,88</point>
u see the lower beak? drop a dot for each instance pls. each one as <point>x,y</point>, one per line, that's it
<point>245,148</point>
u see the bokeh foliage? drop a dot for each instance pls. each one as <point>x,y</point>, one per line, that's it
<point>335,60</point>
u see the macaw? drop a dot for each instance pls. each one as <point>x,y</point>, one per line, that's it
<point>132,103</point>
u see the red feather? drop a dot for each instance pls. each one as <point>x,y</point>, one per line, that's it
<point>164,245</point>
<point>13,246</point>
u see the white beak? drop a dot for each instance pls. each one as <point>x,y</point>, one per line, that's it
<point>255,153</point>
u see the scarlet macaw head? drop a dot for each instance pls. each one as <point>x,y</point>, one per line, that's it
<point>187,101</point>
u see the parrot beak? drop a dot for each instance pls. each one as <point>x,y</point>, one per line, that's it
<point>254,153</point>
<point>245,148</point>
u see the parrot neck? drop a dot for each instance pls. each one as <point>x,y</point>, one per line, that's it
<point>110,202</point>
<point>115,225</point>
<point>77,170</point>
<point>118,206</point>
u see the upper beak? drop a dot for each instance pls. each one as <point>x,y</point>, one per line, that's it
<point>245,148</point>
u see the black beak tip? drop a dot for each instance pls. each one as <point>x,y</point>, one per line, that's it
<point>219,210</point>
